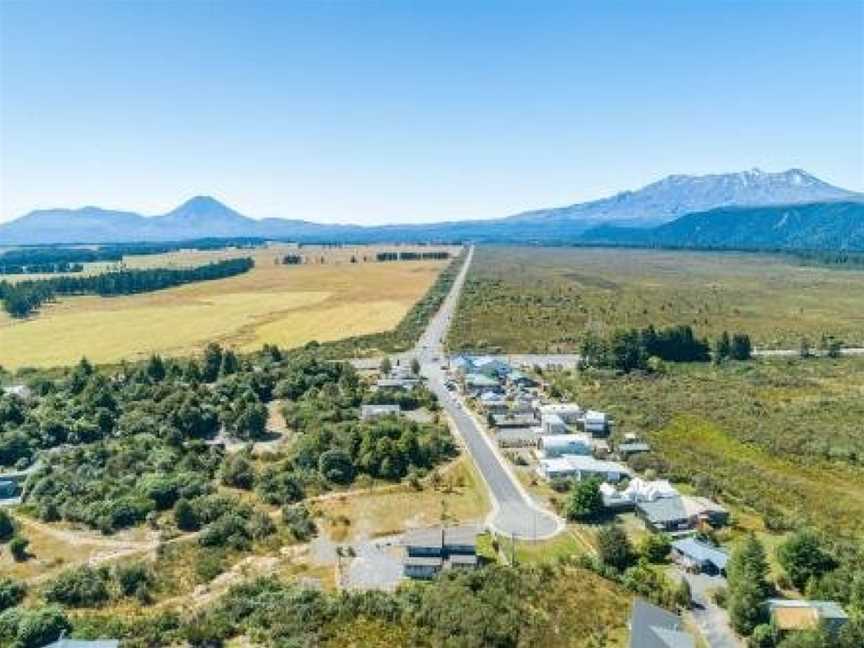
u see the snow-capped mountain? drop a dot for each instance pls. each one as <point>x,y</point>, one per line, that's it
<point>656,203</point>
<point>676,195</point>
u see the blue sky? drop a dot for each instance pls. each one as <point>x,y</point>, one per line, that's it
<point>375,112</point>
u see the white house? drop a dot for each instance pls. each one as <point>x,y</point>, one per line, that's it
<point>570,413</point>
<point>552,424</point>
<point>596,422</point>
<point>557,445</point>
<point>581,467</point>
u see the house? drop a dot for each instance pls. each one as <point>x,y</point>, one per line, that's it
<point>368,412</point>
<point>626,450</point>
<point>654,627</point>
<point>638,490</point>
<point>8,489</point>
<point>489,366</point>
<point>700,557</point>
<point>557,445</point>
<point>596,423</point>
<point>523,405</point>
<point>520,379</point>
<point>396,383</point>
<point>511,419</point>
<point>552,424</point>
<point>708,511</point>
<point>462,364</point>
<point>82,643</point>
<point>790,616</point>
<point>581,467</point>
<point>21,391</point>
<point>493,403</point>
<point>428,551</point>
<point>476,383</point>
<point>667,514</point>
<point>681,513</point>
<point>570,413</point>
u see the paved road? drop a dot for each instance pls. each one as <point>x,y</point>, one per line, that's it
<point>514,513</point>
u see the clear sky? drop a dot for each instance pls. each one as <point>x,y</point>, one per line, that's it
<point>371,112</point>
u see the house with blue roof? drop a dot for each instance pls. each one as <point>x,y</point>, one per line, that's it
<point>700,557</point>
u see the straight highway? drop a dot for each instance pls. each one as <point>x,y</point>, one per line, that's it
<point>514,513</point>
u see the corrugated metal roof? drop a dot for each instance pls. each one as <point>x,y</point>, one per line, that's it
<point>702,552</point>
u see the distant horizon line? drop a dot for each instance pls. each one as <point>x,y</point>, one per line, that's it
<point>227,203</point>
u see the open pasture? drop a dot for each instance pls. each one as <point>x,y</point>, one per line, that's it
<point>781,437</point>
<point>327,298</point>
<point>534,299</point>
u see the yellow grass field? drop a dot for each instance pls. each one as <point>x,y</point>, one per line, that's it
<point>284,305</point>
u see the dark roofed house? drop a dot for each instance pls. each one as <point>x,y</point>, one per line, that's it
<point>795,615</point>
<point>666,514</point>
<point>700,556</point>
<point>654,627</point>
<point>428,551</point>
<point>671,514</point>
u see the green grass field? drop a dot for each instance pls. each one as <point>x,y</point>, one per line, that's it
<point>779,437</point>
<point>521,299</point>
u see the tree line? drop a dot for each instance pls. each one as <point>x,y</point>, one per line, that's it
<point>411,256</point>
<point>634,349</point>
<point>23,298</point>
<point>41,268</point>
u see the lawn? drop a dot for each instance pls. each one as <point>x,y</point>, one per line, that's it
<point>782,438</point>
<point>521,299</point>
<point>284,305</point>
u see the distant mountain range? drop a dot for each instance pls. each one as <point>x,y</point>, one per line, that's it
<point>671,209</point>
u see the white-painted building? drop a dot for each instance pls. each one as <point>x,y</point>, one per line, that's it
<point>596,422</point>
<point>570,413</point>
<point>552,424</point>
<point>557,445</point>
<point>638,490</point>
<point>581,467</point>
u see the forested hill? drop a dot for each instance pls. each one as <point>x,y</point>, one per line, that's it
<point>814,226</point>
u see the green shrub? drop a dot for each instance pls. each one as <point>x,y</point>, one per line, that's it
<point>79,587</point>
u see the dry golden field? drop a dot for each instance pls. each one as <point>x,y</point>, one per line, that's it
<point>285,305</point>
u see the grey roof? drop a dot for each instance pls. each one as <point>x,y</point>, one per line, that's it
<point>463,559</point>
<point>665,509</point>
<point>461,535</point>
<point>654,627</point>
<point>424,538</point>
<point>636,446</point>
<point>696,550</point>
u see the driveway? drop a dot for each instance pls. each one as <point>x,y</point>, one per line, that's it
<point>712,620</point>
